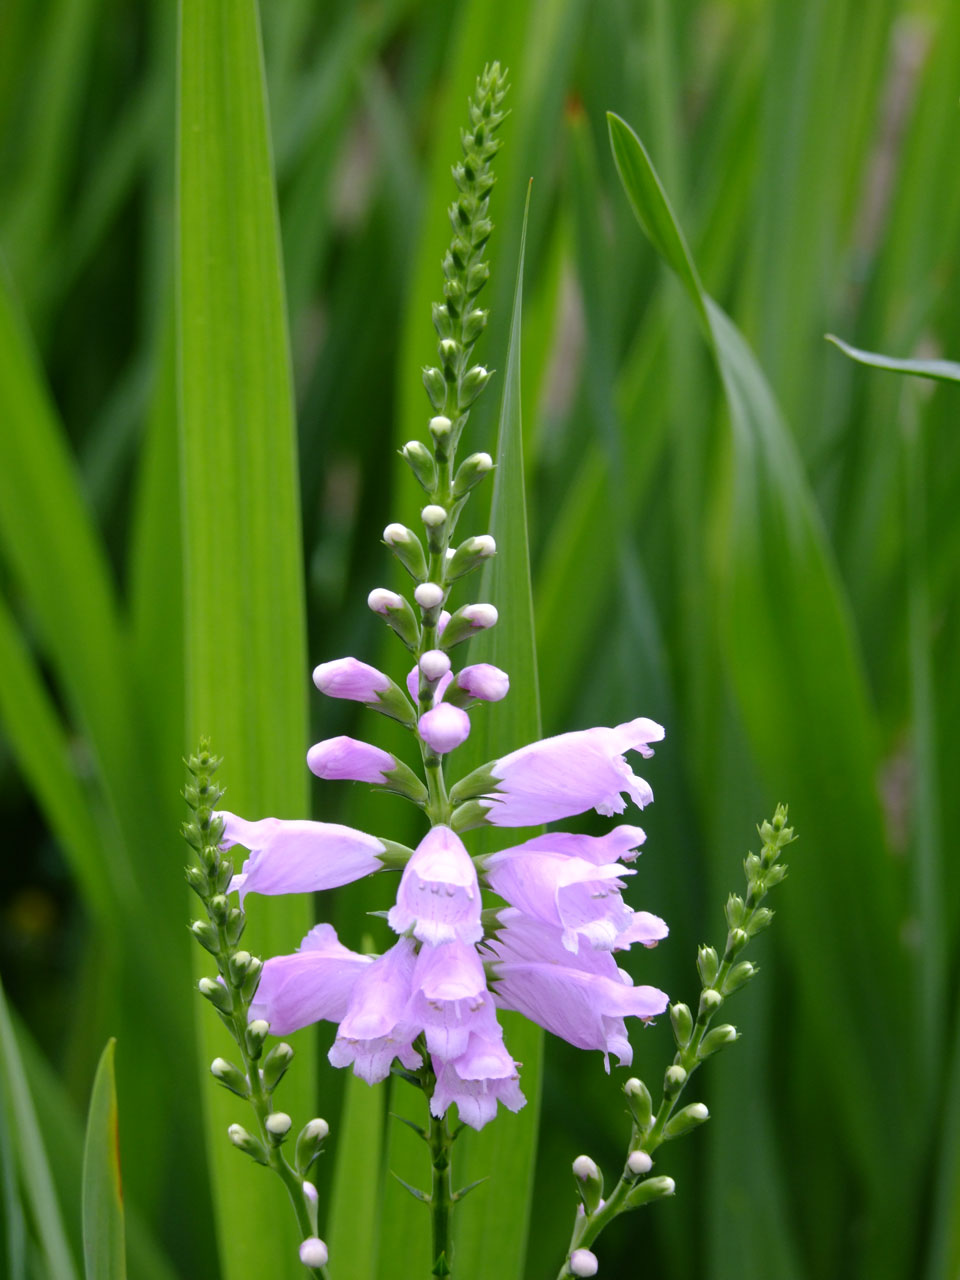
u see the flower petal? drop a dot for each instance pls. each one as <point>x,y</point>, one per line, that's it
<point>439,896</point>
<point>314,983</point>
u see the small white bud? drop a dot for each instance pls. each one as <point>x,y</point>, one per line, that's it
<point>711,999</point>
<point>484,545</point>
<point>440,426</point>
<point>259,1026</point>
<point>278,1123</point>
<point>310,1191</point>
<point>675,1076</point>
<point>238,1135</point>
<point>669,1186</point>
<point>380,600</point>
<point>584,1168</point>
<point>313,1252</point>
<point>448,556</point>
<point>220,1067</point>
<point>633,1087</point>
<point>583,1263</point>
<point>435,664</point>
<point>639,1162</point>
<point>428,595</point>
<point>698,1111</point>
<point>317,1129</point>
<point>395,533</point>
<point>480,615</point>
<point>433,515</point>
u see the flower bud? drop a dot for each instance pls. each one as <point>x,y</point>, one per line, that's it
<point>275,1064</point>
<point>444,727</point>
<point>309,1191</point>
<point>467,622</point>
<point>436,387</point>
<point>736,940</point>
<point>230,1077</point>
<point>474,381</point>
<point>434,665</point>
<point>473,324</point>
<point>277,1125</point>
<point>442,320</point>
<point>639,1101</point>
<point>483,681</point>
<point>710,1001</point>
<point>682,1020</point>
<point>738,975</point>
<point>422,463</point>
<point>583,1263</point>
<point>759,921</point>
<point>248,1144</point>
<point>590,1182</point>
<point>685,1120</point>
<point>708,965</point>
<point>313,1252</point>
<point>197,879</point>
<point>470,472</point>
<point>469,555</point>
<point>310,1143</point>
<point>216,993</point>
<point>406,546</point>
<point>477,277</point>
<point>734,911</point>
<point>441,429</point>
<point>429,595</point>
<point>397,613</point>
<point>234,925</point>
<point>716,1039</point>
<point>255,1036</point>
<point>650,1189</point>
<point>674,1079</point>
<point>639,1163</point>
<point>448,348</point>
<point>206,935</point>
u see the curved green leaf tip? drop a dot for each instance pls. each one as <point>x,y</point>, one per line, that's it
<point>939,370</point>
<point>104,1249</point>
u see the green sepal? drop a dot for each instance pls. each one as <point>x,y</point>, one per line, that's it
<point>649,1190</point>
<point>414,1191</point>
<point>682,1021</point>
<point>471,786</point>
<point>683,1121</point>
<point>275,1064</point>
<point>639,1102</point>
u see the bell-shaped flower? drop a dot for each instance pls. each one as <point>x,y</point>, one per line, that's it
<point>449,996</point>
<point>583,998</point>
<point>439,896</point>
<point>375,1028</point>
<point>314,983</point>
<point>479,1078</point>
<point>444,727</point>
<point>569,774</point>
<point>296,856</point>
<point>579,898</point>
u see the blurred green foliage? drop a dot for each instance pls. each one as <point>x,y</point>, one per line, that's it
<point>808,151</point>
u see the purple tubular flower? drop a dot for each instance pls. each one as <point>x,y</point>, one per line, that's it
<point>579,898</point>
<point>622,843</point>
<point>348,758</point>
<point>439,896</point>
<point>562,776</point>
<point>298,856</point>
<point>375,1029</point>
<point>478,1079</point>
<point>483,680</point>
<point>350,678</point>
<point>449,996</point>
<point>583,999</point>
<point>444,727</point>
<point>312,984</point>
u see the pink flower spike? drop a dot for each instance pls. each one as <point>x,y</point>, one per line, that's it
<point>298,856</point>
<point>578,897</point>
<point>439,896</point>
<point>350,678</point>
<point>644,928</point>
<point>562,776</point>
<point>476,1081</point>
<point>375,1028</point>
<point>444,727</point>
<point>348,758</point>
<point>312,984</point>
<point>483,680</point>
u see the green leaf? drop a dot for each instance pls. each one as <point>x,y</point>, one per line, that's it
<point>104,1235</point>
<point>246,664</point>
<point>355,1203</point>
<point>491,1228</point>
<point>35,1175</point>
<point>940,370</point>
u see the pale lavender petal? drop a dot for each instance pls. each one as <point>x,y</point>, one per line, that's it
<point>562,776</point>
<point>644,928</point>
<point>580,898</point>
<point>375,1028</point>
<point>483,680</point>
<point>350,678</point>
<point>449,997</point>
<point>296,856</point>
<point>312,984</point>
<point>622,843</point>
<point>439,896</point>
<point>413,682</point>
<point>476,1081</point>
<point>348,758</point>
<point>444,727</point>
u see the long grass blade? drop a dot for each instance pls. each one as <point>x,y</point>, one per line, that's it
<point>245,655</point>
<point>104,1229</point>
<point>939,370</point>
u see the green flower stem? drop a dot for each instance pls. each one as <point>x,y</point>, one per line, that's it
<point>441,1198</point>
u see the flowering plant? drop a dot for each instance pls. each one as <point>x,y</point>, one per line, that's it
<point>547,942</point>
